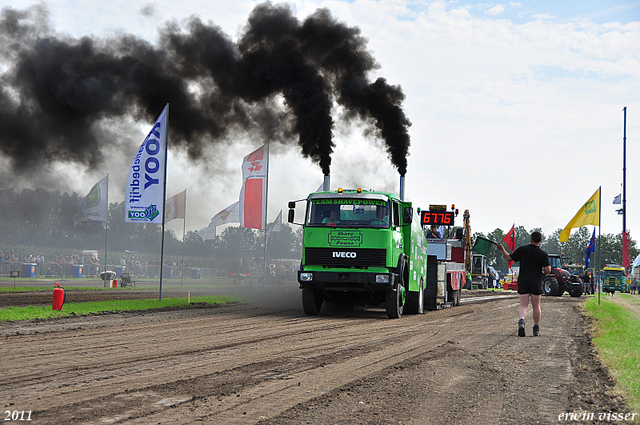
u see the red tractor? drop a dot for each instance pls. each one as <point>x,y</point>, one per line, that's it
<point>560,280</point>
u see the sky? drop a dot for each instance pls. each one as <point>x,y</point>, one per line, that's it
<point>516,109</point>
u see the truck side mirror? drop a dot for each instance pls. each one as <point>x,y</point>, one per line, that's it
<point>292,204</point>
<point>408,215</point>
<point>292,213</point>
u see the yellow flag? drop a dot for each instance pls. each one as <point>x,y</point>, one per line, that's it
<point>588,214</point>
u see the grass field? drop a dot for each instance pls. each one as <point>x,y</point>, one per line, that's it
<point>88,308</point>
<point>49,289</point>
<point>616,334</point>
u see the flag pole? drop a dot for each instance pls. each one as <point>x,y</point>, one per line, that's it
<point>264,226</point>
<point>164,196</point>
<point>625,242</point>
<point>599,248</point>
<point>184,226</point>
<point>106,225</point>
<point>513,226</point>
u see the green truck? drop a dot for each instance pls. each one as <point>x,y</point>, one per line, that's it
<point>362,248</point>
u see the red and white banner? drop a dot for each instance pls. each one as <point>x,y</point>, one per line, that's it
<point>175,206</point>
<point>231,214</point>
<point>253,197</point>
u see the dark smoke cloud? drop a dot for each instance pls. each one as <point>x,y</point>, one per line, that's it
<point>56,90</point>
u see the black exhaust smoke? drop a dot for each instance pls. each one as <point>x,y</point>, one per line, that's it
<point>57,92</point>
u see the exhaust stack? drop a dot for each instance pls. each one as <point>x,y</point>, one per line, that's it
<point>401,188</point>
<point>327,181</point>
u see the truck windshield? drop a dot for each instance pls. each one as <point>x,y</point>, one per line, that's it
<point>349,213</point>
<point>613,272</point>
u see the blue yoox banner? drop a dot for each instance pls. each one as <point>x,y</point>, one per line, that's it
<point>144,199</point>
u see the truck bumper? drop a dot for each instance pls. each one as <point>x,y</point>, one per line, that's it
<point>347,281</point>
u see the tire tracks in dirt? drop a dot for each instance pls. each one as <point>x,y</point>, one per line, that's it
<point>248,364</point>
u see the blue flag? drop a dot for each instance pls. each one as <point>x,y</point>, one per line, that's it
<point>591,248</point>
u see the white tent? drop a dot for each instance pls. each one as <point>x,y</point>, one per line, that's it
<point>636,265</point>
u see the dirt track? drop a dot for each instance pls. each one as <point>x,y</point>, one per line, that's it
<point>270,364</point>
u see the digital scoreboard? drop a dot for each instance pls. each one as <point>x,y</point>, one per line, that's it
<point>438,218</point>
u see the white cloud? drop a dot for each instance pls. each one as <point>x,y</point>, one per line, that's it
<point>544,16</point>
<point>495,10</point>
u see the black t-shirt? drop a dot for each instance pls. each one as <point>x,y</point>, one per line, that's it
<point>532,259</point>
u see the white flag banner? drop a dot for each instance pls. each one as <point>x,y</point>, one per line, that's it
<point>207,233</point>
<point>94,206</point>
<point>276,226</point>
<point>144,199</point>
<point>253,196</point>
<point>231,214</point>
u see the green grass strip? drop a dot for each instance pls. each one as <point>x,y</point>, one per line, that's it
<point>11,314</point>
<point>617,337</point>
<point>51,288</point>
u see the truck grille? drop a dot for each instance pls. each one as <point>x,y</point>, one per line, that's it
<point>357,257</point>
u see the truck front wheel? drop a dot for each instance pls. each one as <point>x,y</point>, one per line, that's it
<point>395,301</point>
<point>311,301</point>
<point>395,297</point>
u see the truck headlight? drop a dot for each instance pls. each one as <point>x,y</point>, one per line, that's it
<point>306,277</point>
<point>382,278</point>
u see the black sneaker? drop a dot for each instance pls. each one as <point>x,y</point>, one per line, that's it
<point>536,330</point>
<point>521,328</point>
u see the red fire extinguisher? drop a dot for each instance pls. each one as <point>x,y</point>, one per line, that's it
<point>59,295</point>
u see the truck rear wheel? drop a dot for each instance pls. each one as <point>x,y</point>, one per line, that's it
<point>311,301</point>
<point>551,286</point>
<point>415,300</point>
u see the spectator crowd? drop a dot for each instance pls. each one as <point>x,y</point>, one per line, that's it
<point>62,265</point>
